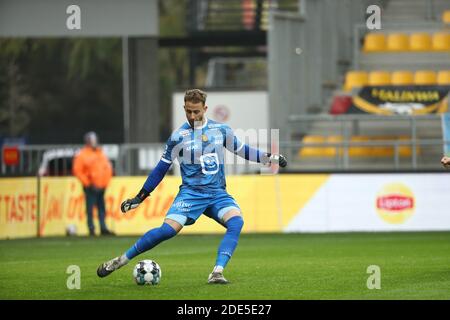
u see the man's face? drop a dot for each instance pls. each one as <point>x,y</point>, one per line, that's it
<point>195,112</point>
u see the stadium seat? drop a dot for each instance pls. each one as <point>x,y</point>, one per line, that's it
<point>399,78</point>
<point>406,150</point>
<point>425,77</point>
<point>332,151</point>
<point>441,41</point>
<point>446,17</point>
<point>379,78</point>
<point>397,42</point>
<point>443,77</point>
<point>354,79</point>
<point>374,42</point>
<point>359,151</point>
<point>315,151</point>
<point>420,41</point>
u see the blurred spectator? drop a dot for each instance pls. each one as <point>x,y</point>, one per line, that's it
<point>94,170</point>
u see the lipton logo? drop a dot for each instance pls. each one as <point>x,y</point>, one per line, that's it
<point>395,203</point>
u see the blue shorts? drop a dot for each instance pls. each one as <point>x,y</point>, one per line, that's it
<point>189,205</point>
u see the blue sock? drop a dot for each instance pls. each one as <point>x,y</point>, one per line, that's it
<point>229,241</point>
<point>150,240</point>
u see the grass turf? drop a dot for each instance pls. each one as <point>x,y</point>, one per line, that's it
<point>264,266</point>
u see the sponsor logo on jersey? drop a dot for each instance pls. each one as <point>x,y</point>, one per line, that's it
<point>210,163</point>
<point>193,147</point>
<point>185,132</point>
<point>183,206</point>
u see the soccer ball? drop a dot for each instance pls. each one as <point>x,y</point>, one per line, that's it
<point>147,272</point>
<point>71,230</point>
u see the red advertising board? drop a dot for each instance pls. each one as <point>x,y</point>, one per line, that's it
<point>11,156</point>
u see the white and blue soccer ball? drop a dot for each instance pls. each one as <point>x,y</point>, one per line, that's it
<point>147,272</point>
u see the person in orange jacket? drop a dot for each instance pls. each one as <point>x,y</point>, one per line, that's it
<point>92,167</point>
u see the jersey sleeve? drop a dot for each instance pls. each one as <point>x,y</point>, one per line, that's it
<point>231,142</point>
<point>172,148</point>
<point>155,177</point>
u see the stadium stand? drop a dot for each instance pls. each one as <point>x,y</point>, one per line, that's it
<point>412,48</point>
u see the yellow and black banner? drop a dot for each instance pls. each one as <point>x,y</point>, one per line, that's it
<point>401,100</point>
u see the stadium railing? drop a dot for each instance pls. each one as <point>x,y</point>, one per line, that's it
<point>56,160</point>
<point>425,142</point>
<point>128,159</point>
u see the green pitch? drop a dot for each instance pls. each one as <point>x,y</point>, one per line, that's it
<point>264,266</point>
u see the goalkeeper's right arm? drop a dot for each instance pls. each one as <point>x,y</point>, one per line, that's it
<point>150,184</point>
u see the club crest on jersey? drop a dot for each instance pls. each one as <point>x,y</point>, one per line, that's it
<point>204,137</point>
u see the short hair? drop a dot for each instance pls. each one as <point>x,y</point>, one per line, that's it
<point>195,96</point>
<point>88,135</point>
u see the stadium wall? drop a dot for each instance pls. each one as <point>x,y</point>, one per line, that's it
<point>270,203</point>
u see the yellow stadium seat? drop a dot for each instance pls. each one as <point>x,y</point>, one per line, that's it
<point>420,41</point>
<point>379,78</point>
<point>399,78</point>
<point>374,42</point>
<point>313,151</point>
<point>446,17</point>
<point>397,42</point>
<point>354,79</point>
<point>359,151</point>
<point>425,77</point>
<point>443,77</point>
<point>356,151</point>
<point>332,150</point>
<point>441,41</point>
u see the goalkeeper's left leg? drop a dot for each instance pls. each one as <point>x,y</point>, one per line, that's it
<point>149,240</point>
<point>226,249</point>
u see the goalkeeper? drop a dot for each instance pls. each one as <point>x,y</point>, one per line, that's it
<point>199,147</point>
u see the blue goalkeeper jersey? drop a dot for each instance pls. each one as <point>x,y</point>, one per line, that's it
<point>201,153</point>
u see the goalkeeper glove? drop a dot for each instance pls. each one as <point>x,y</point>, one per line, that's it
<point>277,158</point>
<point>134,202</point>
